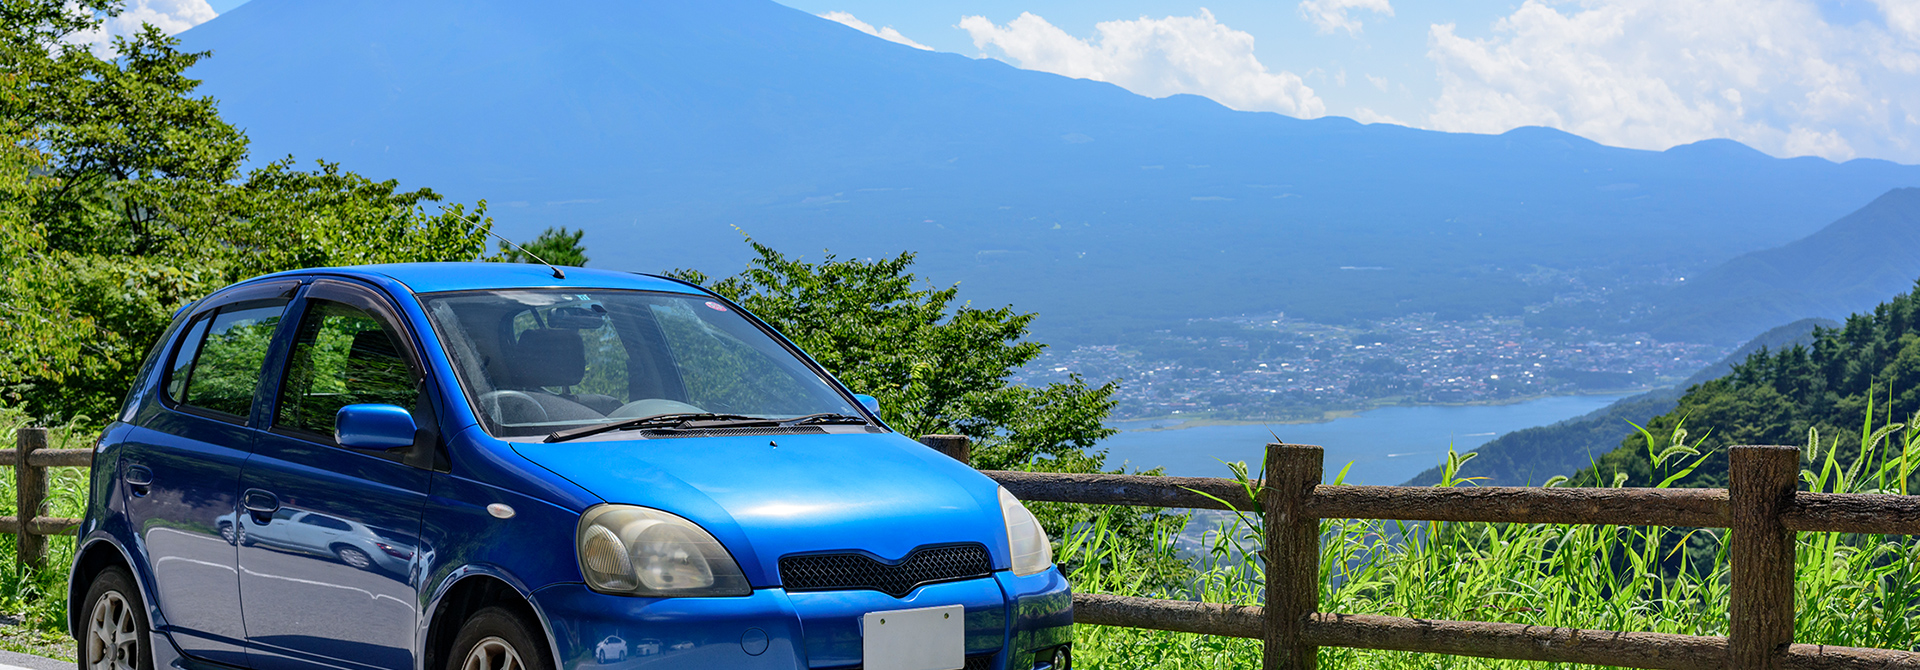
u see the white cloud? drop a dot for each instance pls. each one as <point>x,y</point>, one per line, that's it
<point>887,33</point>
<point>1378,82</point>
<point>1365,115</point>
<point>1653,74</point>
<point>1154,57</point>
<point>1903,16</point>
<point>1330,15</point>
<point>170,16</point>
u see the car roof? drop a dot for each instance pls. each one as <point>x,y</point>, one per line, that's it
<point>435,277</point>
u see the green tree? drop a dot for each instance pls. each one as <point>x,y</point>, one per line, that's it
<point>554,245</point>
<point>937,368</point>
<point>124,199</point>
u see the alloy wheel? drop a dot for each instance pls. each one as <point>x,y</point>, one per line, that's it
<point>113,635</point>
<point>493,653</point>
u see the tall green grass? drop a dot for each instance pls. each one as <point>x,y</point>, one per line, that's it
<point>1853,590</point>
<point>37,598</point>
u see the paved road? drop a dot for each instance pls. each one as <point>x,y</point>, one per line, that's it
<point>15,661</point>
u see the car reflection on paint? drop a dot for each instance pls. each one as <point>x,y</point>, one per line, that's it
<point>302,531</point>
<point>611,650</point>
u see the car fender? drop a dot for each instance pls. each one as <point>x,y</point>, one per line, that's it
<point>156,620</point>
<point>473,571</point>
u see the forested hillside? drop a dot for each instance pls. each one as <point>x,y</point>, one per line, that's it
<point>1778,397</point>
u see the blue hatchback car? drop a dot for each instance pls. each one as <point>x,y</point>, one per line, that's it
<point>491,467</point>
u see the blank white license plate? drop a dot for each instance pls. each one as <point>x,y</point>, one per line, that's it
<point>929,638</point>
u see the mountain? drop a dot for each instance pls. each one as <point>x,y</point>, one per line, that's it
<point>668,129</point>
<point>1534,455</point>
<point>1848,266</point>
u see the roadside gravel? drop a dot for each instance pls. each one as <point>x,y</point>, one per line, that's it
<point>23,640</point>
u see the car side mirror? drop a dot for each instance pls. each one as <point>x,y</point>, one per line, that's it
<point>373,427</point>
<point>871,403</point>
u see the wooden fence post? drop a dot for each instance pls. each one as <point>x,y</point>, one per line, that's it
<point>957,446</point>
<point>1760,485</point>
<point>1292,554</point>
<point>30,496</point>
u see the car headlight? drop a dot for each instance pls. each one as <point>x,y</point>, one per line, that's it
<point>1031,551</point>
<point>646,552</point>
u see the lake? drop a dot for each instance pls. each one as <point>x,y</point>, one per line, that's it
<point>1386,446</point>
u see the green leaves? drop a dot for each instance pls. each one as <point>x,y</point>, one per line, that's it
<point>121,199</point>
<point>937,368</point>
<point>554,245</point>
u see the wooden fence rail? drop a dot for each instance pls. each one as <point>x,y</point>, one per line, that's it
<point>29,525</point>
<point>1761,508</point>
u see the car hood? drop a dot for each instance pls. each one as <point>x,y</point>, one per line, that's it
<point>765,497</point>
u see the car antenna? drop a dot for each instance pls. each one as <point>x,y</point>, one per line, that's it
<point>557,274</point>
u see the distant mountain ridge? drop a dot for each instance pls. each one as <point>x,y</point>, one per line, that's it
<point>665,129</point>
<point>1531,456</point>
<point>1849,266</point>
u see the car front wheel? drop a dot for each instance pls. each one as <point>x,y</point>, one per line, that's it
<point>496,638</point>
<point>115,622</point>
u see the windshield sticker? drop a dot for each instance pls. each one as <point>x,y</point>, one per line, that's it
<point>716,306</point>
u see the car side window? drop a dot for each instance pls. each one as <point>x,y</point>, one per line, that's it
<point>342,355</point>
<point>325,521</point>
<point>218,364</point>
<point>183,360</point>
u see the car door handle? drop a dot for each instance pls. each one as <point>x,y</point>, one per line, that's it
<point>261,504</point>
<point>138,478</point>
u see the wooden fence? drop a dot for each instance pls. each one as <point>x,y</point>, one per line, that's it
<point>30,526</point>
<point>1762,507</point>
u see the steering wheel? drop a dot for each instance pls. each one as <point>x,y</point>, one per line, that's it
<point>496,403</point>
<point>650,407</point>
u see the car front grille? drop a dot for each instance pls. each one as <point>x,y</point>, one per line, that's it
<point>849,571</point>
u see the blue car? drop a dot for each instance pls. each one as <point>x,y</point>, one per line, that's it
<point>469,466</point>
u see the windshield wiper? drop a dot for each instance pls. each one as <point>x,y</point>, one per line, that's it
<point>668,420</point>
<point>825,418</point>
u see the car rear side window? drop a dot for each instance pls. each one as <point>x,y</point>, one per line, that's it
<point>218,364</point>
<point>341,356</point>
<point>183,361</point>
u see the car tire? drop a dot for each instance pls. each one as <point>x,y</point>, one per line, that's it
<point>230,534</point>
<point>113,628</point>
<point>354,557</point>
<point>495,638</point>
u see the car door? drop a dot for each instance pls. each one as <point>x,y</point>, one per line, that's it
<point>180,469</point>
<point>313,595</point>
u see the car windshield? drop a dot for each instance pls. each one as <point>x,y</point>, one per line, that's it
<point>536,361</point>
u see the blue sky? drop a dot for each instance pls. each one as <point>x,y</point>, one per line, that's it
<point>1838,79</point>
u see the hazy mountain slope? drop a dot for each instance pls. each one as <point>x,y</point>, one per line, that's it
<point>1534,455</point>
<point>1847,267</point>
<point>667,128</point>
